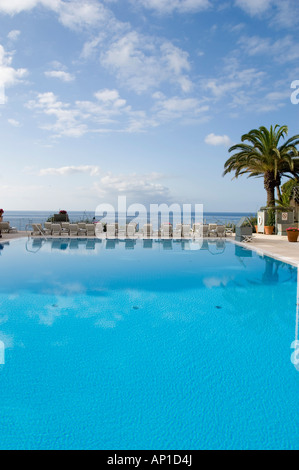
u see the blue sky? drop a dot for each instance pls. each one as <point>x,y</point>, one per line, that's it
<point>139,98</point>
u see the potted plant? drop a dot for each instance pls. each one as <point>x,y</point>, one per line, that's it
<point>269,228</point>
<point>253,222</point>
<point>292,233</point>
<point>61,217</point>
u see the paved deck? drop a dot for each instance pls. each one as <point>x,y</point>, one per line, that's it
<point>271,245</point>
<point>12,236</point>
<point>275,246</point>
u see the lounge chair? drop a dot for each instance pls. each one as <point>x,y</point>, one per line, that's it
<point>65,228</point>
<point>73,230</point>
<point>56,229</point>
<point>147,230</point>
<point>212,230</point>
<point>205,231</point>
<point>47,228</point>
<point>186,231</point>
<point>82,230</point>
<point>177,233</point>
<point>91,231</point>
<point>99,230</point>
<point>247,238</point>
<point>229,231</point>
<point>111,230</point>
<point>220,231</point>
<point>166,230</point>
<point>37,230</point>
<point>5,227</point>
<point>122,231</point>
<point>99,227</point>
<point>197,230</point>
<point>131,230</point>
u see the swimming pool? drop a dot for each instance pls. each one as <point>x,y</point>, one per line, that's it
<point>146,345</point>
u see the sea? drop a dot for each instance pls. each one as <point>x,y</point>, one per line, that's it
<point>23,220</point>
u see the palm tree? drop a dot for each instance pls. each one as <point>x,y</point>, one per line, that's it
<point>260,155</point>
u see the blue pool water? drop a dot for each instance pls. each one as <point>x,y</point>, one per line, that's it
<point>140,345</point>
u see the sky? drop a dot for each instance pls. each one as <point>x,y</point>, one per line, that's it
<point>139,98</point>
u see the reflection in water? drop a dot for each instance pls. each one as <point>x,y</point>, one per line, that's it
<point>74,244</point>
<point>215,247</point>
<point>2,245</point>
<point>167,245</point>
<point>90,245</point>
<point>148,244</point>
<point>59,245</point>
<point>272,267</point>
<point>270,275</point>
<point>235,289</point>
<point>241,252</point>
<point>205,245</point>
<point>110,244</point>
<point>130,244</point>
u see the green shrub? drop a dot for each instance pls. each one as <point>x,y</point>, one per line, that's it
<point>271,218</point>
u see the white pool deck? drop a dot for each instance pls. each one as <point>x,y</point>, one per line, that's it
<point>270,245</point>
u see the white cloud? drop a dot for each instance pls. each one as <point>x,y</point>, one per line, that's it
<point>110,97</point>
<point>107,113</point>
<point>13,122</point>
<point>81,13</point>
<point>176,107</point>
<point>91,170</point>
<point>254,7</point>
<point>237,84</point>
<point>14,35</point>
<point>169,6</point>
<point>282,50</point>
<point>133,185</point>
<point>216,140</point>
<point>16,6</point>
<point>60,74</point>
<point>287,15</point>
<point>280,13</point>
<point>67,119</point>
<point>9,76</point>
<point>72,13</point>
<point>141,62</point>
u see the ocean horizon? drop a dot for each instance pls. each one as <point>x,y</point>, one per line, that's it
<point>22,219</point>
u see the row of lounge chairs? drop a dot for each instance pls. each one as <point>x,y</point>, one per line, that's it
<point>66,229</point>
<point>129,230</point>
<point>167,231</point>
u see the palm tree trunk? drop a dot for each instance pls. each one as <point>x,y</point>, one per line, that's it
<point>270,184</point>
<point>278,193</point>
<point>270,198</point>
